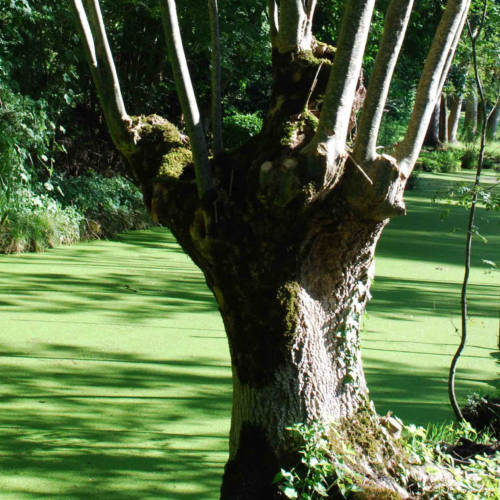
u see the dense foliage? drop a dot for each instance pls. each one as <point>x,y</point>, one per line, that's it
<point>53,136</point>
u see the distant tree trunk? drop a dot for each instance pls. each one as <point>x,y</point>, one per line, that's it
<point>443,120</point>
<point>492,127</point>
<point>470,122</point>
<point>432,135</point>
<point>454,118</point>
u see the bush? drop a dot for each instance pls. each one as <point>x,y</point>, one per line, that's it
<point>469,159</point>
<point>32,222</point>
<point>237,128</point>
<point>108,205</point>
<point>413,181</point>
<point>440,160</point>
<point>26,138</point>
<point>392,131</point>
<point>483,413</point>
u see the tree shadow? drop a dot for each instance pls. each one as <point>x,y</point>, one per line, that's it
<point>408,297</point>
<point>88,427</point>
<point>419,394</point>
<point>82,414</point>
<point>126,288</point>
<point>435,232</point>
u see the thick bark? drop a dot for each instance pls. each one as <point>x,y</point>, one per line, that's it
<point>454,118</point>
<point>443,120</point>
<point>432,135</point>
<point>298,359</point>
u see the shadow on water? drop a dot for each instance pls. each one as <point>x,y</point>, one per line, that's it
<point>435,232</point>
<point>140,283</point>
<point>418,395</point>
<point>92,421</point>
<point>417,391</point>
<point>98,428</point>
<point>97,423</point>
<point>408,297</point>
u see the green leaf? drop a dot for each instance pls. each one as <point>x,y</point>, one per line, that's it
<point>283,474</point>
<point>320,490</point>
<point>290,492</point>
<point>489,263</point>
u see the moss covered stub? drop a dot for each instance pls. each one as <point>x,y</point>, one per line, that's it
<point>373,454</point>
<point>160,152</point>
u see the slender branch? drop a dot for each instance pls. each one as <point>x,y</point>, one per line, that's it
<point>295,25</point>
<point>331,135</point>
<point>470,226</point>
<point>216,76</point>
<point>187,98</point>
<point>291,19</point>
<point>451,54</point>
<point>273,20</point>
<point>396,22</point>
<point>429,87</point>
<point>313,86</point>
<point>102,67</point>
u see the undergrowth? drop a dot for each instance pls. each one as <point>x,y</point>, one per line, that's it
<point>41,208</point>
<point>35,216</point>
<point>432,470</point>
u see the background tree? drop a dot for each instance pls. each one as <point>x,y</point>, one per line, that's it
<point>285,227</point>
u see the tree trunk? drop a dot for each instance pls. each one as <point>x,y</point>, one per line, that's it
<point>432,137</point>
<point>454,118</point>
<point>292,320</point>
<point>286,237</point>
<point>492,126</point>
<point>443,120</point>
<point>470,122</point>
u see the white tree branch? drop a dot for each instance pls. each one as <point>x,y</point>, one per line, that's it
<point>331,135</point>
<point>396,22</point>
<point>451,54</point>
<point>273,20</point>
<point>216,76</point>
<point>102,67</point>
<point>187,98</point>
<point>431,82</point>
<point>295,25</point>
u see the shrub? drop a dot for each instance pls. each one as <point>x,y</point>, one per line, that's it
<point>238,128</point>
<point>108,205</point>
<point>33,222</point>
<point>469,159</point>
<point>413,181</point>
<point>440,160</point>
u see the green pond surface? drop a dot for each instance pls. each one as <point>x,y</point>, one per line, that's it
<point>116,381</point>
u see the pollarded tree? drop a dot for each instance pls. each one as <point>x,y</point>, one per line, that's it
<point>285,228</point>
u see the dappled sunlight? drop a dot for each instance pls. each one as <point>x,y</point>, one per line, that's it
<point>411,329</point>
<point>115,381</point>
<point>116,373</point>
